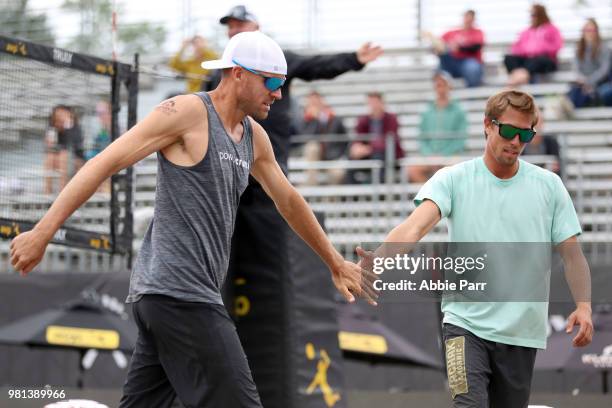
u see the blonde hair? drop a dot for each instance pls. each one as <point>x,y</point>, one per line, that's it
<point>520,101</point>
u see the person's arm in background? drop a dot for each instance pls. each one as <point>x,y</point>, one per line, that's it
<point>311,67</point>
<point>210,55</point>
<point>347,276</point>
<point>519,47</point>
<point>449,44</point>
<point>176,62</point>
<point>475,43</point>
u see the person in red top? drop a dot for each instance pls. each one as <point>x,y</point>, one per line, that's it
<point>379,123</point>
<point>535,51</point>
<point>461,51</point>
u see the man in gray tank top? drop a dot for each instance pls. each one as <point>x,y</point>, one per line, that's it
<point>207,145</point>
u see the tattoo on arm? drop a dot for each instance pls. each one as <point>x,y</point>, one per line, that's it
<point>167,107</point>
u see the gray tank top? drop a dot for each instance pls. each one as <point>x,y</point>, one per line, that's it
<point>185,252</point>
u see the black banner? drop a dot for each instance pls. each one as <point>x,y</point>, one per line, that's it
<point>62,57</point>
<point>64,236</point>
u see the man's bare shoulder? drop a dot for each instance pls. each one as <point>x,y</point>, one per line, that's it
<point>184,106</point>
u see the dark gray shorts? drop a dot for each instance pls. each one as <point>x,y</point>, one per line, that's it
<point>484,373</point>
<point>190,350</point>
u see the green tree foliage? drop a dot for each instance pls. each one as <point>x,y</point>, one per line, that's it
<point>17,20</point>
<point>95,32</point>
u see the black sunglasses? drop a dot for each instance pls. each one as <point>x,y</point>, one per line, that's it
<point>509,132</point>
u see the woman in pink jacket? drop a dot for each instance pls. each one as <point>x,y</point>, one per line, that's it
<point>535,51</point>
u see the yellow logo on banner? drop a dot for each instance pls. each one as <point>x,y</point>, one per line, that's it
<point>320,379</point>
<point>19,48</point>
<point>10,230</point>
<point>100,243</point>
<point>105,69</point>
<point>86,338</point>
<point>242,304</point>
<point>369,343</point>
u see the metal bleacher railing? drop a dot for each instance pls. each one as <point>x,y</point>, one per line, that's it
<point>361,213</point>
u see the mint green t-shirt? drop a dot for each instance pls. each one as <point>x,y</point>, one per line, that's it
<point>531,207</point>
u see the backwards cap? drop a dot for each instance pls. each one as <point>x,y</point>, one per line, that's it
<point>240,13</point>
<point>254,50</point>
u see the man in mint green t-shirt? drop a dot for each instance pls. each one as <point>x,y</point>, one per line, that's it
<point>497,198</point>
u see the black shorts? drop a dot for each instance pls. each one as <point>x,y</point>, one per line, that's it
<point>190,350</point>
<point>535,65</point>
<point>483,374</point>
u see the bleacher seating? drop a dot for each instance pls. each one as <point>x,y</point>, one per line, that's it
<point>586,141</point>
<point>365,213</point>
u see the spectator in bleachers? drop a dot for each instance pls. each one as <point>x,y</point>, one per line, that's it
<point>63,136</point>
<point>460,51</point>
<point>379,124</point>
<point>592,68</point>
<point>545,145</point>
<point>103,137</point>
<point>442,130</point>
<point>188,61</point>
<point>320,119</point>
<point>535,51</point>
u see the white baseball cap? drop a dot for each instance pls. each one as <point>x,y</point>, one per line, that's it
<point>253,50</point>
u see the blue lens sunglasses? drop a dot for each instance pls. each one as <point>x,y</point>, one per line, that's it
<point>271,83</point>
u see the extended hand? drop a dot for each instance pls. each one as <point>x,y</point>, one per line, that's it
<point>368,53</point>
<point>350,279</point>
<point>582,317</point>
<point>27,250</point>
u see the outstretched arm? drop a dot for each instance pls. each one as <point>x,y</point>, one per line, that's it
<point>311,67</point>
<point>164,126</point>
<point>347,276</point>
<point>402,238</point>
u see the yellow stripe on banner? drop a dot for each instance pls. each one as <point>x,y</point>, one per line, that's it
<point>86,338</point>
<point>368,343</point>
